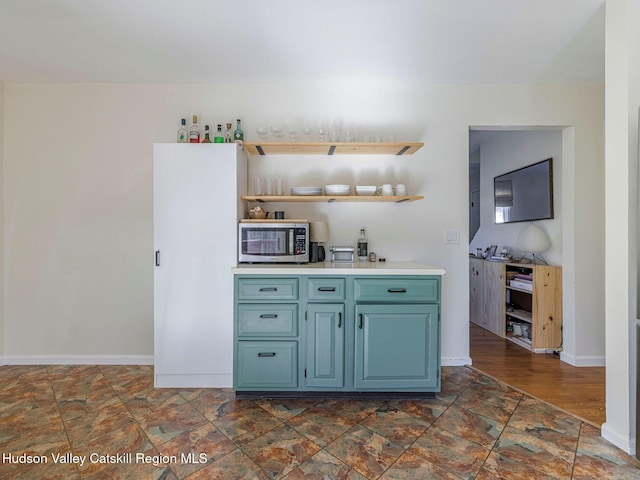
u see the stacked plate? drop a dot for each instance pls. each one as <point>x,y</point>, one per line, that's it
<point>306,190</point>
<point>366,190</point>
<point>337,189</point>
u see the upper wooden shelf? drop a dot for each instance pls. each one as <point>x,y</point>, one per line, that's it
<point>332,148</point>
<point>331,198</point>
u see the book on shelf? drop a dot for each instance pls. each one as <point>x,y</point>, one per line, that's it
<point>523,276</point>
<point>522,284</point>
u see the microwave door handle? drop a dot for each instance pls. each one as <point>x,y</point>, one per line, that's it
<point>291,241</point>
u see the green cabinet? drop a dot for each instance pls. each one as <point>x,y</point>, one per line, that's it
<point>396,347</point>
<point>324,345</point>
<point>337,333</point>
<point>265,365</point>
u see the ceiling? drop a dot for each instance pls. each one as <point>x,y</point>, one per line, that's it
<point>253,41</point>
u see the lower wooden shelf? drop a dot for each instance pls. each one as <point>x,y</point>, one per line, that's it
<point>523,342</point>
<point>331,198</point>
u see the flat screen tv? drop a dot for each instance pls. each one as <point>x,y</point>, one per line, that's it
<point>524,194</point>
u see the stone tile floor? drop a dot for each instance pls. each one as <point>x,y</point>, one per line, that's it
<point>108,422</point>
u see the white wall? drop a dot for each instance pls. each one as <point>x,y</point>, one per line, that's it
<point>2,271</point>
<point>78,231</point>
<point>506,151</point>
<point>622,95</point>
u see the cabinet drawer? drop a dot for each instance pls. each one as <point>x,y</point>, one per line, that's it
<point>264,365</point>
<point>320,288</point>
<point>267,289</point>
<point>269,319</point>
<point>396,290</point>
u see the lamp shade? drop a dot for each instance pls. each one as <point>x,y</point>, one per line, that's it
<point>533,240</point>
<point>319,232</point>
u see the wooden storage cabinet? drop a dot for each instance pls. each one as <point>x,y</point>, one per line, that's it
<point>322,333</point>
<point>476,299</point>
<point>535,306</point>
<point>486,295</point>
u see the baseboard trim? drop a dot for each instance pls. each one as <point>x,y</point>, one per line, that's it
<point>583,361</point>
<point>622,442</point>
<point>78,360</point>
<point>211,380</point>
<point>455,361</point>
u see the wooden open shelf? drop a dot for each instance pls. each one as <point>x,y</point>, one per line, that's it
<point>332,148</point>
<point>330,198</point>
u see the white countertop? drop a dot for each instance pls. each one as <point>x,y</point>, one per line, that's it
<point>329,268</point>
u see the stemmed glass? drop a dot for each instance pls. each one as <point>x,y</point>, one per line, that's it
<point>293,133</point>
<point>276,131</point>
<point>321,133</point>
<point>262,132</point>
<point>307,133</point>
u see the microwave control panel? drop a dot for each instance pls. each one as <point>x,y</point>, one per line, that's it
<point>301,241</point>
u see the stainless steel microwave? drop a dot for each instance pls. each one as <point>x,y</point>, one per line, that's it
<point>273,242</point>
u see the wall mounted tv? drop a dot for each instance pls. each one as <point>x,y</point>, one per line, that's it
<point>524,194</point>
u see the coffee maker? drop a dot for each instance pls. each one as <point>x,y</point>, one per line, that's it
<point>318,233</point>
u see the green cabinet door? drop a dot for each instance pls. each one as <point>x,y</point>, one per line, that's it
<point>397,347</point>
<point>325,345</point>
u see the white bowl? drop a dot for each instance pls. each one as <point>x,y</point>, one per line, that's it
<point>366,190</point>
<point>337,189</point>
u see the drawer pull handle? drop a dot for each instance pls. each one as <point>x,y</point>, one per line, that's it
<point>269,315</point>
<point>326,289</point>
<point>268,289</point>
<point>397,290</point>
<point>267,354</point>
<point>360,321</point>
<point>339,319</point>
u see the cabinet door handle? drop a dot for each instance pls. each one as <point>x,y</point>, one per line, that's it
<point>157,258</point>
<point>267,354</point>
<point>339,319</point>
<point>269,315</point>
<point>326,289</point>
<point>360,321</point>
<point>397,290</point>
<point>268,289</point>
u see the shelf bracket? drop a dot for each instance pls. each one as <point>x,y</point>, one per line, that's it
<point>332,149</point>
<point>260,150</point>
<point>403,150</point>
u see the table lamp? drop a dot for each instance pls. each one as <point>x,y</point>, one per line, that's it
<point>319,233</point>
<point>533,240</point>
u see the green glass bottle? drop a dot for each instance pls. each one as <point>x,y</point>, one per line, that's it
<point>183,133</point>
<point>238,134</point>
<point>207,138</point>
<point>219,137</point>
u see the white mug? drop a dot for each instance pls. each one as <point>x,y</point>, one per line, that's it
<point>385,190</point>
<point>401,189</point>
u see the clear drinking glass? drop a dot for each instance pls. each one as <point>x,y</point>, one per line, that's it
<point>262,132</point>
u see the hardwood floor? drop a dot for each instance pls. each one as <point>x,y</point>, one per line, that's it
<point>577,390</point>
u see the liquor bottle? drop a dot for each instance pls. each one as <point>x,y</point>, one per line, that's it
<point>194,131</point>
<point>206,138</point>
<point>228,134</point>
<point>238,134</point>
<point>363,246</point>
<point>183,134</point>
<point>218,138</point>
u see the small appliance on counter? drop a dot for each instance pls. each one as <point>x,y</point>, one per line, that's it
<point>273,241</point>
<point>319,233</point>
<point>342,254</point>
